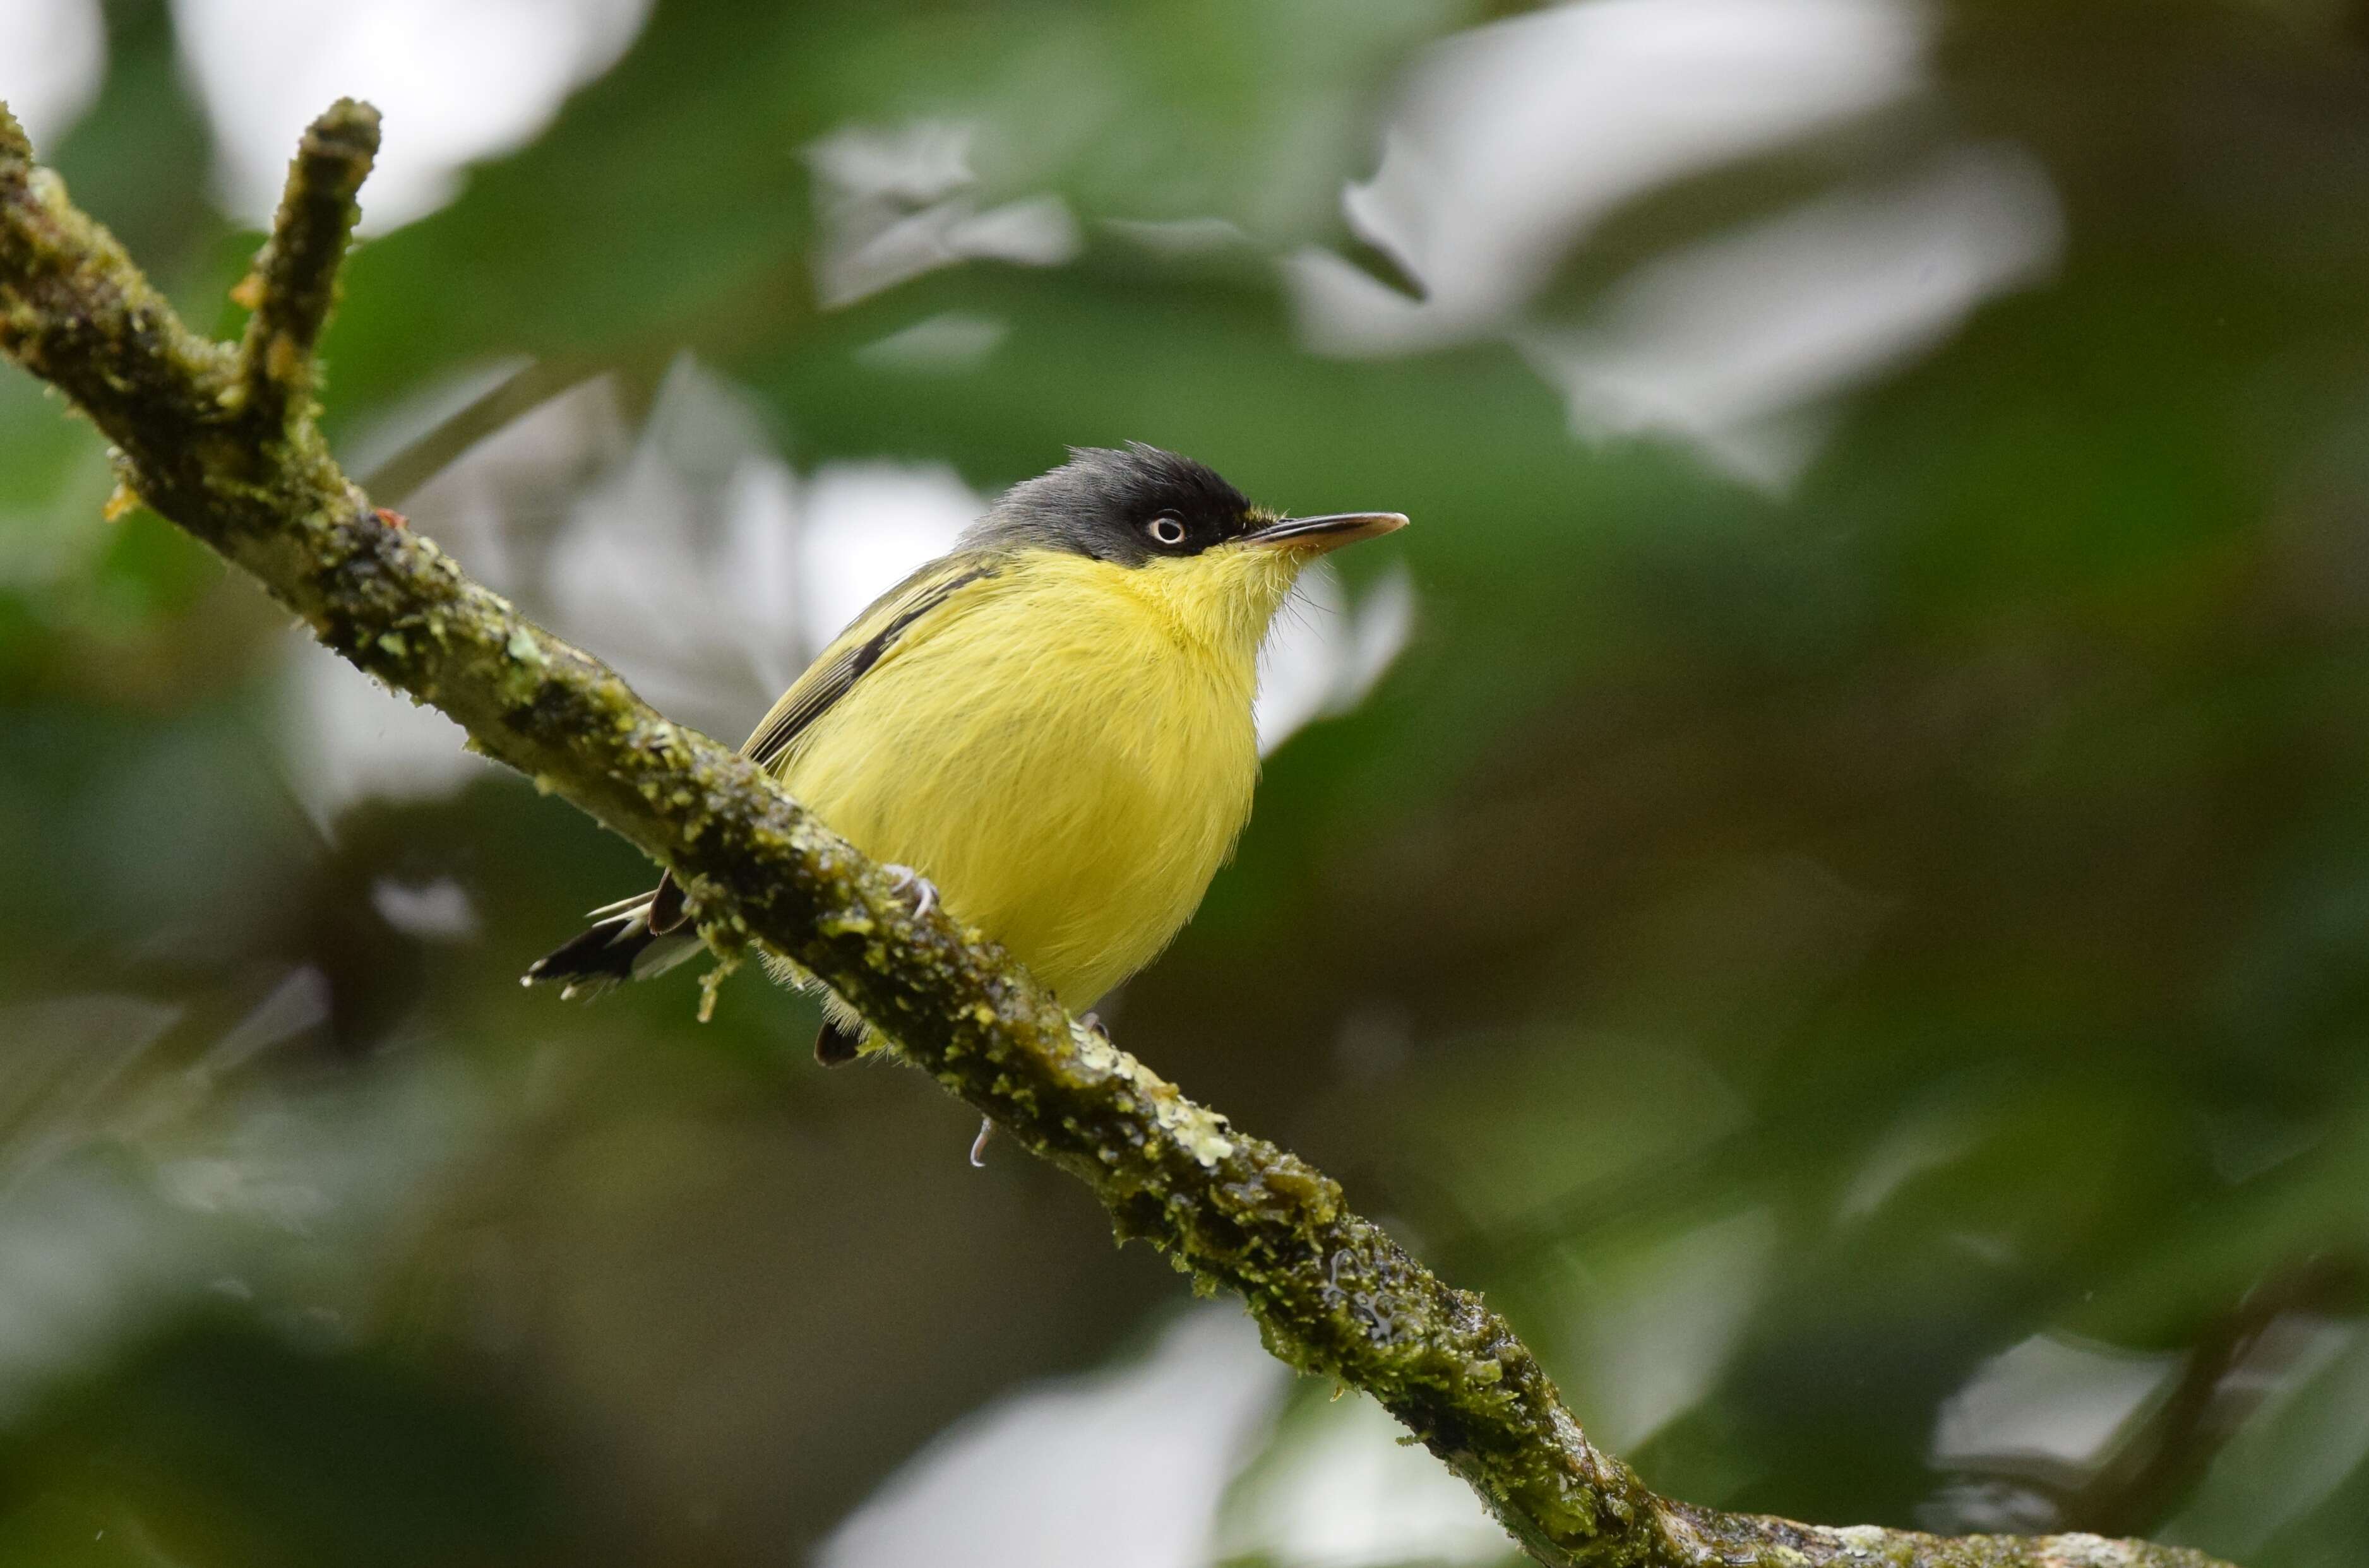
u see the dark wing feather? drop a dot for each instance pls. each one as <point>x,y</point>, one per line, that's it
<point>860,648</point>
<point>833,675</point>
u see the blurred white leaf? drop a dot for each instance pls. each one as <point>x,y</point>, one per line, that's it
<point>1323,656</point>
<point>708,573</point>
<point>1514,138</point>
<point>497,504</point>
<point>1119,1469</point>
<point>896,203</point>
<point>1339,1490</point>
<point>53,64</point>
<point>1728,343</point>
<point>347,739</point>
<point>869,525</point>
<point>432,911</point>
<point>458,80</point>
<point>2052,1402</point>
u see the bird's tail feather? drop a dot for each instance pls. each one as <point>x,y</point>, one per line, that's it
<point>618,946</point>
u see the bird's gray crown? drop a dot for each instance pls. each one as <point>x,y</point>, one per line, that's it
<point>1127,506</point>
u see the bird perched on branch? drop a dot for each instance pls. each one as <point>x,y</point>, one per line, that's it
<point>1049,727</point>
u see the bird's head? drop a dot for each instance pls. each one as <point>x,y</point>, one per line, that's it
<point>1177,530</point>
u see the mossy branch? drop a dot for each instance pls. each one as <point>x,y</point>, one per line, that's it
<point>223,442</point>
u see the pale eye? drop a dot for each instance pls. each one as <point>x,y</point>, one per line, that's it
<point>1167,530</point>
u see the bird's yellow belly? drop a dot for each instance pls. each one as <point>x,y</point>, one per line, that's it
<point>1070,783</point>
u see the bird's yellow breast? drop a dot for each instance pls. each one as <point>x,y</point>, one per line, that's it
<point>1064,748</point>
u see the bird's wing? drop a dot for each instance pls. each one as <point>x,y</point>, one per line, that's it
<point>834,674</point>
<point>861,646</point>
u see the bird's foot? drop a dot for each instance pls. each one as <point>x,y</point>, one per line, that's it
<point>1097,1028</point>
<point>905,879</point>
<point>978,1145</point>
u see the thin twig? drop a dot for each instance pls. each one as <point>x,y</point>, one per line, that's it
<point>295,278</point>
<point>394,481</point>
<point>1334,1294</point>
<point>2166,1460</point>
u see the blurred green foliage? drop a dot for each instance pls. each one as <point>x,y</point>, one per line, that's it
<point>1790,946</point>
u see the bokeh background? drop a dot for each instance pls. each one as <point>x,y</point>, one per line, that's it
<point>1828,873</point>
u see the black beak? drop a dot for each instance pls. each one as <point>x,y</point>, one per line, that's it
<point>1315,535</point>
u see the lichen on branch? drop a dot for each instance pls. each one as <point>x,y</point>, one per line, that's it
<point>222,441</point>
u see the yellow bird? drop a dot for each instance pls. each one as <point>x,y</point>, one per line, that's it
<point>1048,727</point>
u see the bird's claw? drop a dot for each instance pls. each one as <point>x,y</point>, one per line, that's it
<point>905,879</point>
<point>1096,1028</point>
<point>978,1144</point>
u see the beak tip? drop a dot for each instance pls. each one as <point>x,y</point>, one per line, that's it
<point>1321,536</point>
